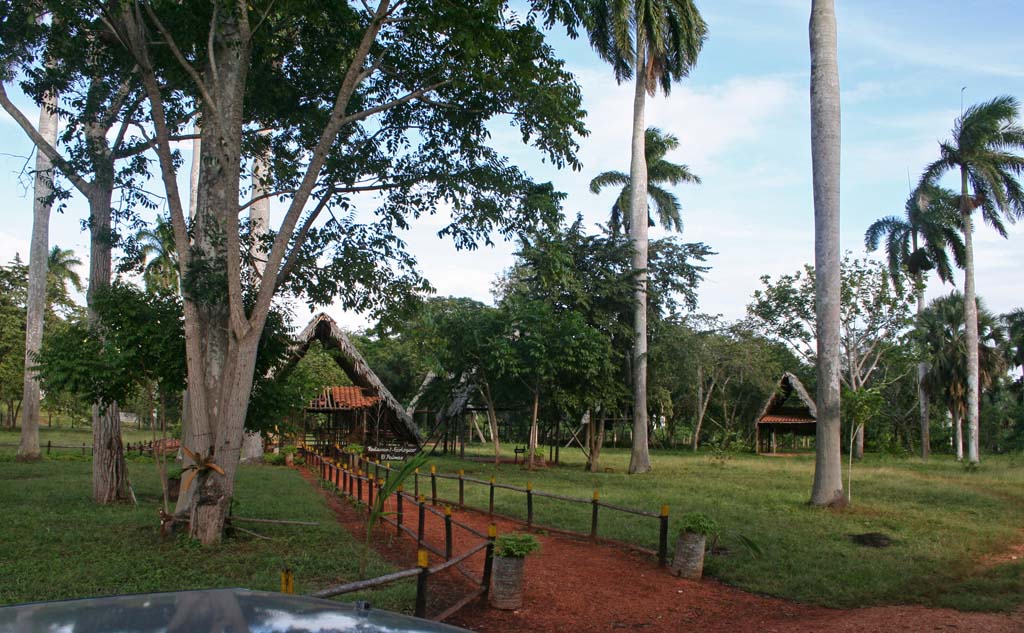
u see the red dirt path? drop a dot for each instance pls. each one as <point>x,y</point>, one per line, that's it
<point>573,585</point>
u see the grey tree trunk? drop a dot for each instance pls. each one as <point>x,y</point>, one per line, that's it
<point>259,210</point>
<point>825,144</point>
<point>639,457</point>
<point>109,469</point>
<point>858,443</point>
<point>28,448</point>
<point>922,394</point>
<point>531,448</point>
<point>970,321</point>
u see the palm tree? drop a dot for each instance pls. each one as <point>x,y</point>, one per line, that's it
<point>61,265</point>
<point>915,244</point>
<point>659,171</point>
<point>1014,321</point>
<point>159,255</point>
<point>656,43</point>
<point>941,332</point>
<point>825,142</point>
<point>985,150</point>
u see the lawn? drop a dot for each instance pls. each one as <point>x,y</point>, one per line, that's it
<point>943,520</point>
<point>56,544</point>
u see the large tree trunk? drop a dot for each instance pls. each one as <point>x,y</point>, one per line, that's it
<point>970,321</point>
<point>639,457</point>
<point>28,449</point>
<point>109,469</point>
<point>825,144</point>
<point>922,393</point>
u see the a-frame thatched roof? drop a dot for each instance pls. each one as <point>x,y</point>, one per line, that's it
<point>781,404</point>
<point>324,329</point>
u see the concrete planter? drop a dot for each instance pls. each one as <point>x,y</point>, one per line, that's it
<point>507,583</point>
<point>688,561</point>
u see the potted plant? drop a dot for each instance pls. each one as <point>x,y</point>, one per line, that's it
<point>510,552</point>
<point>688,561</point>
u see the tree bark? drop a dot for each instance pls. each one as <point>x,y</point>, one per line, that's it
<point>858,442</point>
<point>958,432</point>
<point>492,421</point>
<point>970,321</point>
<point>639,457</point>
<point>922,372</point>
<point>532,443</point>
<point>825,143</point>
<point>39,250</point>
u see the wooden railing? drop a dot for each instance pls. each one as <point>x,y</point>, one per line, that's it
<point>362,486</point>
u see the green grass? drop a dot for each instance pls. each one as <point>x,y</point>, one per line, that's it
<point>943,519</point>
<point>56,544</point>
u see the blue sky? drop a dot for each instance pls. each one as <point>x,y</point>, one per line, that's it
<point>742,118</point>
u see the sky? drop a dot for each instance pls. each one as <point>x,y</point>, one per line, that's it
<point>742,118</point>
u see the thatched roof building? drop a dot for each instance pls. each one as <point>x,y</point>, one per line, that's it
<point>790,409</point>
<point>368,400</point>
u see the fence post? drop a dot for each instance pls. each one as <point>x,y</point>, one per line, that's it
<point>49,445</point>
<point>462,489</point>
<point>433,485</point>
<point>593,515</point>
<point>529,503</point>
<point>423,517</point>
<point>359,485</point>
<point>83,448</point>
<point>490,506</point>
<point>398,511</point>
<point>416,483</point>
<point>287,581</point>
<point>370,485</point>
<point>663,537</point>
<point>447,532</point>
<point>337,477</point>
<point>492,533</point>
<point>421,583</point>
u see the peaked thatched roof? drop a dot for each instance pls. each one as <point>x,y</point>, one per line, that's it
<point>324,329</point>
<point>788,385</point>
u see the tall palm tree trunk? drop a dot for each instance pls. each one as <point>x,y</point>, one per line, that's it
<point>958,432</point>
<point>28,449</point>
<point>922,371</point>
<point>639,458</point>
<point>825,144</point>
<point>970,321</point>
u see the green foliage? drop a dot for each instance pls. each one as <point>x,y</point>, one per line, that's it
<point>515,545</point>
<point>698,523</point>
<point>13,295</point>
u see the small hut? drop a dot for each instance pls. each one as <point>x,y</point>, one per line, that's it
<point>789,410</point>
<point>365,413</point>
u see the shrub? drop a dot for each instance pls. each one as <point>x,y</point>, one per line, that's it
<point>699,523</point>
<point>515,545</point>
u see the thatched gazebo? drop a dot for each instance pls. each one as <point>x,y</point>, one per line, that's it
<point>789,410</point>
<point>365,413</point>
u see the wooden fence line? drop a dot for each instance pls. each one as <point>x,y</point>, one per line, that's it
<point>349,482</point>
<point>357,462</point>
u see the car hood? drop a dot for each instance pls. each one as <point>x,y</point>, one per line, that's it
<point>208,611</point>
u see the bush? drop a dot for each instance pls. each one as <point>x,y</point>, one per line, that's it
<point>699,523</point>
<point>515,545</point>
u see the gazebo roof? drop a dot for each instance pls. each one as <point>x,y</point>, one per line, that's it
<point>782,408</point>
<point>324,329</point>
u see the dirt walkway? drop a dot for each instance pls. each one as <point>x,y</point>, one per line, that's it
<point>573,586</point>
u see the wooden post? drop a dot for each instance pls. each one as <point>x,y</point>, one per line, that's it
<point>663,537</point>
<point>490,506</point>
<point>433,485</point>
<point>370,485</point>
<point>447,532</point>
<point>423,562</point>
<point>49,445</point>
<point>287,581</point>
<point>416,483</point>
<point>359,485</point>
<point>423,517</point>
<point>462,489</point>
<point>398,511</point>
<point>492,534</point>
<point>529,503</point>
<point>593,515</point>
